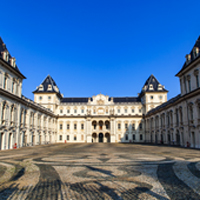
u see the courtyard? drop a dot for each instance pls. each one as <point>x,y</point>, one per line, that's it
<point>100,171</point>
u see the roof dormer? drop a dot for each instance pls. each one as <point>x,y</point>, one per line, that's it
<point>150,87</point>
<point>5,55</point>
<point>160,87</point>
<point>188,58</point>
<point>49,87</point>
<point>12,61</point>
<point>195,51</point>
<point>41,88</point>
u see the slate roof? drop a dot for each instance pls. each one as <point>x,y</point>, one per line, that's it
<point>172,100</point>
<point>74,100</point>
<point>155,83</point>
<point>115,99</point>
<point>197,44</point>
<point>48,81</point>
<point>126,99</point>
<point>4,48</point>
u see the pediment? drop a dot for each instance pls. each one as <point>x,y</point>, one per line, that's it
<point>100,99</point>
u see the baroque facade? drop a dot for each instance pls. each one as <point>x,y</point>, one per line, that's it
<point>51,118</point>
<point>178,120</point>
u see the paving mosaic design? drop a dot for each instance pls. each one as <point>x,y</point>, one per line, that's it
<point>100,171</point>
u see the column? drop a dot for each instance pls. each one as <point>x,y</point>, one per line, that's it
<point>112,135</point>
<point>88,133</point>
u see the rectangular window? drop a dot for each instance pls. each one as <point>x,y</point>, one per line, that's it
<point>134,137</point>
<point>61,126</point>
<point>82,126</point>
<point>49,97</point>
<point>126,137</point>
<point>75,138</point>
<point>140,126</point>
<point>160,97</point>
<point>133,127</point>
<point>82,111</point>
<point>119,126</point>
<point>67,137</point>
<point>125,110</point>
<point>197,81</point>
<point>118,110</point>
<point>141,137</point>
<point>140,110</point>
<point>60,137</point>
<point>68,111</point>
<point>13,84</point>
<point>40,98</point>
<point>151,97</point>
<point>75,111</point>
<point>133,110</point>
<point>75,126</point>
<point>68,126</point>
<point>189,85</point>
<point>126,126</point>
<point>61,111</point>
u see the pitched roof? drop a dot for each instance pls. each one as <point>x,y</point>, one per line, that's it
<point>3,48</point>
<point>152,85</point>
<point>193,58</point>
<point>48,86</point>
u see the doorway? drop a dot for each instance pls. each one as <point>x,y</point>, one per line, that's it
<point>107,137</point>
<point>100,137</point>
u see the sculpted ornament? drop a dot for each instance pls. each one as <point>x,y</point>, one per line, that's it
<point>100,102</point>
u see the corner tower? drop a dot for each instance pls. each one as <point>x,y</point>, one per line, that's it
<point>48,94</point>
<point>153,94</point>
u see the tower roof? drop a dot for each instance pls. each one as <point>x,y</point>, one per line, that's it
<point>153,85</point>
<point>3,48</point>
<point>192,56</point>
<point>48,86</point>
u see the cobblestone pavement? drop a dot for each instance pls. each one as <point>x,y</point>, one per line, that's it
<point>99,171</point>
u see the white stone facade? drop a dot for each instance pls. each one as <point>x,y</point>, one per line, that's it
<point>51,118</point>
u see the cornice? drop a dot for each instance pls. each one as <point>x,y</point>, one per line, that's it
<point>12,69</point>
<point>26,102</point>
<point>101,116</point>
<point>182,98</point>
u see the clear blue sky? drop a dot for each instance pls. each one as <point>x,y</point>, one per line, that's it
<point>93,46</point>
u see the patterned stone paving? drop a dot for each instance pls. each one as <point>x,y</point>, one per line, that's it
<point>99,171</point>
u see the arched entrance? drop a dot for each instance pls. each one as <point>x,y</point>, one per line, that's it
<point>94,125</point>
<point>2,137</point>
<point>100,125</point>
<point>10,141</point>
<point>94,137</point>
<point>33,139</point>
<point>107,124</point>
<point>107,135</point>
<point>156,138</point>
<point>161,139</point>
<point>178,140</point>
<point>100,137</point>
<point>169,138</point>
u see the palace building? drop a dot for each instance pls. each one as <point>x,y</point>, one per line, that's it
<point>52,118</point>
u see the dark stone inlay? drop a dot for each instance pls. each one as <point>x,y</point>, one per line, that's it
<point>2,170</point>
<point>175,188</point>
<point>98,190</point>
<point>192,167</point>
<point>49,185</point>
<point>103,159</point>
